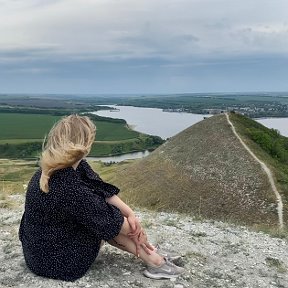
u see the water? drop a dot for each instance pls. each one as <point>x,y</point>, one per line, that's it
<point>153,121</point>
<point>119,158</point>
<point>281,124</point>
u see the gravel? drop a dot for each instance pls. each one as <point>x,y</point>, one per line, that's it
<point>215,254</point>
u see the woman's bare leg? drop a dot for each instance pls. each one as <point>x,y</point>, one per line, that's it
<point>124,243</point>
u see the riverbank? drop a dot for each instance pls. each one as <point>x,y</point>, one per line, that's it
<point>119,158</point>
<point>214,254</point>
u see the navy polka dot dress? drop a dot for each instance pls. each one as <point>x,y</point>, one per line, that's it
<point>61,230</point>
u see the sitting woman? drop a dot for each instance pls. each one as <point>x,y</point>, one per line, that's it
<point>69,211</point>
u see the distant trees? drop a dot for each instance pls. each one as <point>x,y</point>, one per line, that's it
<point>23,150</point>
<point>96,118</point>
<point>34,111</point>
<point>154,141</point>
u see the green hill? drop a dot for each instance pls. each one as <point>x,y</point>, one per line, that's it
<point>206,171</point>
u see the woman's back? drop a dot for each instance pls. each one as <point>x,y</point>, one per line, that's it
<point>50,235</point>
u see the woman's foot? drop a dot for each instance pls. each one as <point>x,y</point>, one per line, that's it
<point>170,255</point>
<point>166,270</point>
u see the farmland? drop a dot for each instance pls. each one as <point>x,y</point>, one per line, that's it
<point>22,135</point>
<point>34,126</point>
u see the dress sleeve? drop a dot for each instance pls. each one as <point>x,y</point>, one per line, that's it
<point>95,183</point>
<point>92,211</point>
<point>86,169</point>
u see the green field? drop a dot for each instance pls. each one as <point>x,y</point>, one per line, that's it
<point>33,126</point>
<point>21,135</point>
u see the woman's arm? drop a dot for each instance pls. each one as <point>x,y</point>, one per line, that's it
<point>126,212</point>
<point>125,229</point>
<point>124,208</point>
<point>131,225</point>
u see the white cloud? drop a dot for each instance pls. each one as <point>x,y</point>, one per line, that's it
<point>30,70</point>
<point>172,29</point>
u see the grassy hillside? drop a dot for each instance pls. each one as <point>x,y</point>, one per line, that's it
<point>270,147</point>
<point>204,171</point>
<point>15,175</point>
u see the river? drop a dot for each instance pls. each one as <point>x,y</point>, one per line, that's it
<point>154,121</point>
<point>119,158</point>
<point>281,124</point>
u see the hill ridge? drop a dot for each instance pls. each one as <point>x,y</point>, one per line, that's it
<point>267,171</point>
<point>204,171</point>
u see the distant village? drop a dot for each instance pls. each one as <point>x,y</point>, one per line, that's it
<point>252,110</point>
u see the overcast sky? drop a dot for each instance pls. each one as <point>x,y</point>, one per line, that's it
<point>143,46</point>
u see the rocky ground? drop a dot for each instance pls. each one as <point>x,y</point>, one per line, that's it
<point>215,254</point>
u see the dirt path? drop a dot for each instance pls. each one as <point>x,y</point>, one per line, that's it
<point>267,171</point>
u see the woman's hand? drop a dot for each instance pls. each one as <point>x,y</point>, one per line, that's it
<point>141,241</point>
<point>142,238</point>
<point>134,225</point>
<point>138,235</point>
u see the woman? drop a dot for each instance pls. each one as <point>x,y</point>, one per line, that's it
<point>69,211</point>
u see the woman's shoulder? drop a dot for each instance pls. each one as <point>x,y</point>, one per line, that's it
<point>36,176</point>
<point>64,176</point>
<point>84,169</point>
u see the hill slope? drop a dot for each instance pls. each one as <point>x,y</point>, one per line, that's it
<point>214,255</point>
<point>204,171</point>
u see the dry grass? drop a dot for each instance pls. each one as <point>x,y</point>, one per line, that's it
<point>273,231</point>
<point>277,264</point>
<point>14,176</point>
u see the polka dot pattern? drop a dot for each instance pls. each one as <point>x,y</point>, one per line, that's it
<point>61,230</point>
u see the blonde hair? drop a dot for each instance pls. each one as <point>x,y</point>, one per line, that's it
<point>69,140</point>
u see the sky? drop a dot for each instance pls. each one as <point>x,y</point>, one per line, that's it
<point>143,46</point>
